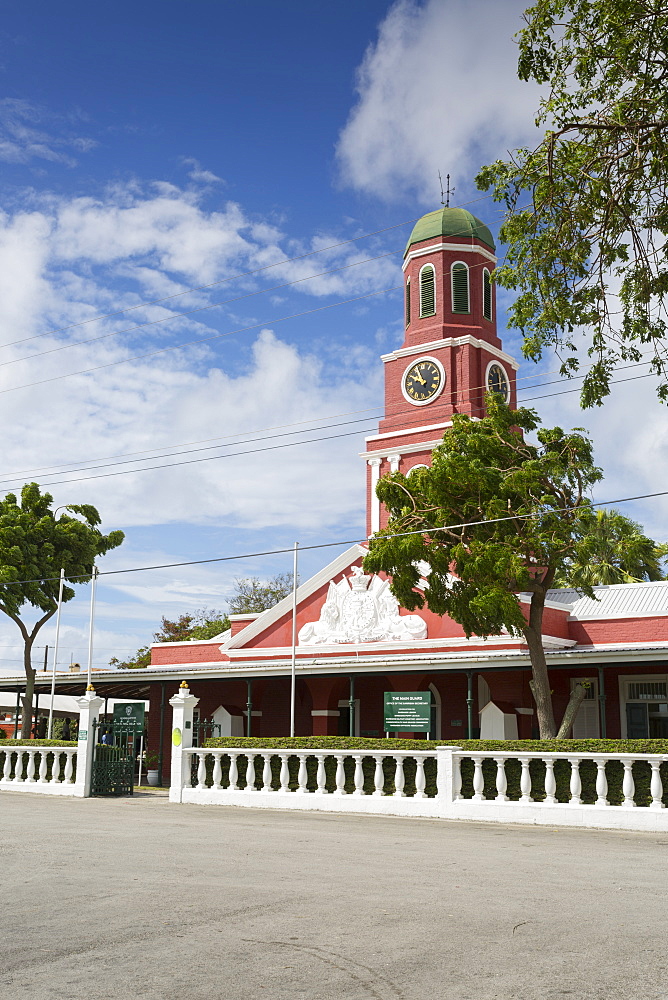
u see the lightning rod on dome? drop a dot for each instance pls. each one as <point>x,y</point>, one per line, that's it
<point>445,197</point>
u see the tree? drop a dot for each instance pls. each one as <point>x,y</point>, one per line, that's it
<point>251,595</point>
<point>254,596</point>
<point>34,545</point>
<point>494,516</point>
<point>587,209</point>
<point>612,549</point>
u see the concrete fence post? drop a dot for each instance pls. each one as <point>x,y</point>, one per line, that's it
<point>89,712</point>
<point>445,778</point>
<point>183,706</point>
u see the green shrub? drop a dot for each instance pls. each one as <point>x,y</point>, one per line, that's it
<point>562,770</point>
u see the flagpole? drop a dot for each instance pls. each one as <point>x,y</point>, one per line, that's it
<point>294,642</point>
<point>55,652</point>
<point>90,630</point>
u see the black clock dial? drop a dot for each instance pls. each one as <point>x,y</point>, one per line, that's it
<point>497,381</point>
<point>423,381</point>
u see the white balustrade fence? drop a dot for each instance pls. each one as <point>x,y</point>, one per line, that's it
<point>49,770</point>
<point>450,783</point>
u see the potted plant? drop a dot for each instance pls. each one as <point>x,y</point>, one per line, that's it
<point>151,759</point>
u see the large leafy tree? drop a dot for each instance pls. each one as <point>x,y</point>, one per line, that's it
<point>494,517</point>
<point>251,594</point>
<point>586,225</point>
<point>612,549</point>
<point>34,545</point>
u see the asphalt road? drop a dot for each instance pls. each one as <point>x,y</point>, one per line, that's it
<point>142,900</point>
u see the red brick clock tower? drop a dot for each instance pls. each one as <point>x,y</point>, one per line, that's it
<point>451,353</point>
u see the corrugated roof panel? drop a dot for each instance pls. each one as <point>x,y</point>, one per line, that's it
<point>622,600</point>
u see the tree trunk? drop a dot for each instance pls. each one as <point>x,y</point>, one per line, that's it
<point>26,722</point>
<point>540,686</point>
<point>576,699</point>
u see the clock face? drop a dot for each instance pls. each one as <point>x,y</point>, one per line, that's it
<point>423,381</point>
<point>497,381</point>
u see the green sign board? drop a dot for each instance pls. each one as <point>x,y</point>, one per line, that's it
<point>130,715</point>
<point>407,711</point>
<point>83,734</point>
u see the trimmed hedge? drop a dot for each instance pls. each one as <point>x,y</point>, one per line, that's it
<point>29,744</point>
<point>562,770</point>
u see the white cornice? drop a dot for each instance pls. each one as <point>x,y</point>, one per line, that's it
<point>413,430</point>
<point>458,247</point>
<point>404,449</point>
<point>404,352</point>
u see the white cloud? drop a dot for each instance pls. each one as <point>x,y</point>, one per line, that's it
<point>24,137</point>
<point>437,91</point>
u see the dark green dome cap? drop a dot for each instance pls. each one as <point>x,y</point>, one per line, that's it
<point>450,222</point>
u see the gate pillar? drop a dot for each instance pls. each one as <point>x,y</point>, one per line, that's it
<point>183,705</point>
<point>89,712</point>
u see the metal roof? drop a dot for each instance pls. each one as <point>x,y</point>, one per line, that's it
<point>620,600</point>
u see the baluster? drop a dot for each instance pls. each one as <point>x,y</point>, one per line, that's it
<point>340,776</point>
<point>576,782</point>
<point>399,778</point>
<point>501,780</point>
<point>201,771</point>
<point>30,774</point>
<point>285,772</point>
<point>42,767</point>
<point>302,775</point>
<point>478,781</point>
<point>525,780</point>
<point>628,785</point>
<point>550,782</point>
<point>379,776</point>
<point>359,776</point>
<point>251,773</point>
<point>7,770</point>
<point>70,756</point>
<point>55,767</point>
<point>233,776</point>
<point>420,780</point>
<point>321,776</point>
<point>601,783</point>
<point>187,769</point>
<point>217,770</point>
<point>266,773</point>
<point>456,778</point>
<point>656,786</point>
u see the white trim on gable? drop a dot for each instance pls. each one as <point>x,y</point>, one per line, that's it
<point>272,615</point>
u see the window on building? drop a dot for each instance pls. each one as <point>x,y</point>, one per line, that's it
<point>427,291</point>
<point>460,288</point>
<point>408,302</point>
<point>586,725</point>
<point>486,294</point>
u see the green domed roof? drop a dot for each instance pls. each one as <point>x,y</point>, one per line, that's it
<point>450,222</point>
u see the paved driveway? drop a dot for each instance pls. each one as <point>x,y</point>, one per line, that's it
<point>141,900</point>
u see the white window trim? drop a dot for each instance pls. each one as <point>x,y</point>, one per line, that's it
<point>424,267</point>
<point>452,288</point>
<point>490,318</point>
<point>624,680</point>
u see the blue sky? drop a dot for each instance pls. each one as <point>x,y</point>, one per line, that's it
<point>149,149</point>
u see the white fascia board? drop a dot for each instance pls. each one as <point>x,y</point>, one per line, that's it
<point>405,352</point>
<point>272,615</point>
<point>459,247</point>
<point>402,449</point>
<point>245,616</point>
<point>412,430</point>
<point>188,642</point>
<point>618,616</point>
<point>548,604</point>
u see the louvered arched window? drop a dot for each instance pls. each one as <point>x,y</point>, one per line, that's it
<point>460,288</point>
<point>427,291</point>
<point>486,294</point>
<point>408,302</point>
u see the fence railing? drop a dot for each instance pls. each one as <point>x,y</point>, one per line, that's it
<point>624,791</point>
<point>51,770</point>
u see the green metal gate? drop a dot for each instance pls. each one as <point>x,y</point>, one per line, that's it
<point>114,756</point>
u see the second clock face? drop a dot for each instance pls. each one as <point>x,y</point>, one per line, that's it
<point>423,381</point>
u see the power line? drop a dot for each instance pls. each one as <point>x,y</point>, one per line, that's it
<point>350,541</point>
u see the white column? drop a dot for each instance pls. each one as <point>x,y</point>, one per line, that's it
<point>447,789</point>
<point>183,705</point>
<point>394,462</point>
<point>89,711</point>
<point>375,502</point>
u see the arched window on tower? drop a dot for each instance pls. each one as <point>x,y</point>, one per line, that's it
<point>408,302</point>
<point>460,288</point>
<point>486,294</point>
<point>427,291</point>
